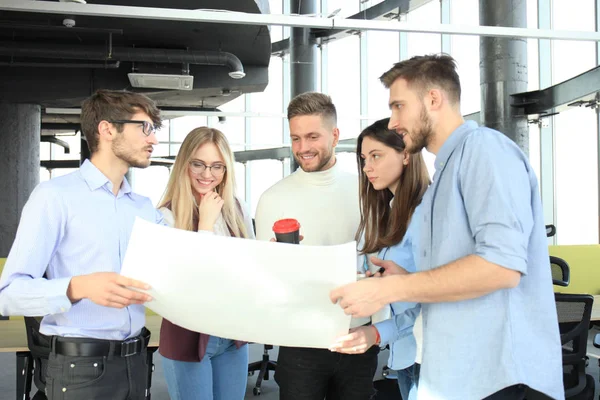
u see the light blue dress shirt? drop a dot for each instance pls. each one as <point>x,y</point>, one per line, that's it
<point>484,200</point>
<point>73,225</point>
<point>398,330</point>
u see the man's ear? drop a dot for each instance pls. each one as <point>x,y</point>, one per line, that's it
<point>336,136</point>
<point>435,99</point>
<point>104,132</point>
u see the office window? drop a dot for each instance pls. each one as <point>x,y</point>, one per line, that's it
<point>266,132</point>
<point>576,133</point>
<point>343,76</point>
<point>233,127</point>
<point>151,182</point>
<point>465,50</point>
<point>424,43</point>
<point>383,51</point>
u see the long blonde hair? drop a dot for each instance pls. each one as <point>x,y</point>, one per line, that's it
<point>179,197</point>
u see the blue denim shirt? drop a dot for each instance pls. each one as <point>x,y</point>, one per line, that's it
<point>484,200</point>
<point>398,330</point>
<point>73,225</point>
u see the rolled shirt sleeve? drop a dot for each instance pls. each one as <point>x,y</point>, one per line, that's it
<point>493,180</point>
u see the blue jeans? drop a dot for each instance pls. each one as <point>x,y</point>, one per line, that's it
<point>221,375</point>
<point>408,379</point>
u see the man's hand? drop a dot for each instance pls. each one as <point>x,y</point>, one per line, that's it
<point>361,299</point>
<point>208,210</point>
<point>107,289</point>
<point>358,341</point>
<point>390,267</point>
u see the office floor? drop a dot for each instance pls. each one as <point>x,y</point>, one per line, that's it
<point>269,387</point>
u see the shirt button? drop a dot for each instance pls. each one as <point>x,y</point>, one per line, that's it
<point>424,253</point>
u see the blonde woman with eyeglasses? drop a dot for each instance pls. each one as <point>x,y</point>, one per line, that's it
<point>200,196</point>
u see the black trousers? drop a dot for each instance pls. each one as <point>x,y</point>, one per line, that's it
<point>316,374</point>
<point>109,377</point>
<point>518,392</point>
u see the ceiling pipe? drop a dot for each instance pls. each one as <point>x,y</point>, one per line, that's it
<point>105,65</point>
<point>167,56</point>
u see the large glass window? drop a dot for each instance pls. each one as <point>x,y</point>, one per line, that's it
<point>576,163</point>
<point>343,78</point>
<point>383,51</point>
<point>465,50</point>
<point>424,43</point>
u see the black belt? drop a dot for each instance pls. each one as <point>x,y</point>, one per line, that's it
<point>80,347</point>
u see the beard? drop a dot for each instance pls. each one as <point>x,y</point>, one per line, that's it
<point>422,135</point>
<point>324,158</point>
<point>128,154</point>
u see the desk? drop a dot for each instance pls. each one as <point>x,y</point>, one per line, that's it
<point>14,339</point>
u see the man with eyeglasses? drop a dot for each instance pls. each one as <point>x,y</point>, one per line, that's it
<point>65,261</point>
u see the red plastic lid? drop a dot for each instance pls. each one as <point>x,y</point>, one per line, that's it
<point>286,225</point>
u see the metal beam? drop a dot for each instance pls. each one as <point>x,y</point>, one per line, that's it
<point>547,132</point>
<point>168,14</point>
<point>580,91</point>
<point>57,141</point>
<point>61,126</point>
<point>56,164</point>
<point>384,11</point>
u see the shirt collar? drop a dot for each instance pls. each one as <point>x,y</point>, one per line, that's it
<point>452,142</point>
<point>96,179</point>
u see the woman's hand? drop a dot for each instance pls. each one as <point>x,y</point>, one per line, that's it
<point>209,209</point>
<point>357,341</point>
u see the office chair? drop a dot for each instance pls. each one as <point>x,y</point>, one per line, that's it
<point>263,366</point>
<point>39,348</point>
<point>574,312</point>
<point>561,275</point>
<point>550,230</point>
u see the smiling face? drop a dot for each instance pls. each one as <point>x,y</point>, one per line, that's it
<point>205,181</point>
<point>131,144</point>
<point>382,164</point>
<point>313,142</point>
<point>409,118</point>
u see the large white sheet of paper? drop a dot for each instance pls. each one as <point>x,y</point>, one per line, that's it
<point>242,289</point>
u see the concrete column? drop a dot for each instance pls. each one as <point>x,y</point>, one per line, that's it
<point>303,51</point>
<point>19,165</point>
<point>303,57</point>
<point>503,69</point>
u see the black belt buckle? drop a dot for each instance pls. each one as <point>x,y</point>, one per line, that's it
<point>131,346</point>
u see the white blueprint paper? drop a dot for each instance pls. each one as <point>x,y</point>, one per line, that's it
<point>242,289</point>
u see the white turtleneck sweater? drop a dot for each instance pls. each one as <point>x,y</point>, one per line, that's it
<point>325,203</point>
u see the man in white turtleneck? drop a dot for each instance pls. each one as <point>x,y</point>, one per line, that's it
<point>324,200</point>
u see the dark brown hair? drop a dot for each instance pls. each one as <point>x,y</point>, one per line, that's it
<point>425,72</point>
<point>313,103</point>
<point>111,105</point>
<point>381,225</point>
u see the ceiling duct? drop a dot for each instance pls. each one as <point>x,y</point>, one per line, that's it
<point>166,56</point>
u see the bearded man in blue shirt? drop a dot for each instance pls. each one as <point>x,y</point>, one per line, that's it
<point>490,328</point>
<point>65,261</point>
